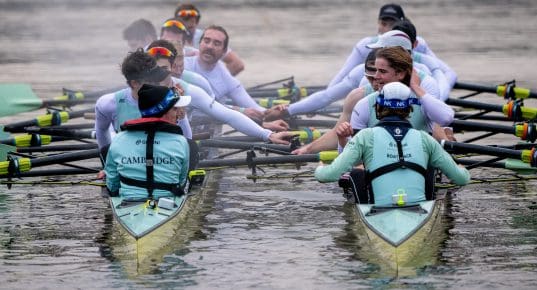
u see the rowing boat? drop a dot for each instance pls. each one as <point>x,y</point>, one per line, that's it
<point>401,239</point>
<point>142,233</point>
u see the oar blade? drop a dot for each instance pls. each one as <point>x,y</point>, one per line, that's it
<point>519,166</point>
<point>17,98</point>
<point>3,134</point>
<point>6,149</point>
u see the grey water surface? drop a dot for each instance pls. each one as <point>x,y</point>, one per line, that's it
<point>278,233</point>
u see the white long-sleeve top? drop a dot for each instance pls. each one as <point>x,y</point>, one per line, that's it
<point>224,85</point>
<point>106,116</point>
<point>203,102</point>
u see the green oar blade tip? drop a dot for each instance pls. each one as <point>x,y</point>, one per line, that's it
<point>17,98</point>
<point>5,150</point>
<point>519,166</point>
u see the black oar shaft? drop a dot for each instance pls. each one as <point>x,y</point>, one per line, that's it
<point>474,105</point>
<point>56,172</point>
<point>312,123</point>
<point>86,134</point>
<point>481,117</point>
<point>475,87</point>
<point>18,127</point>
<point>242,145</point>
<point>460,125</point>
<point>259,160</point>
<point>487,89</point>
<point>456,147</point>
<point>65,157</point>
<point>57,148</point>
<point>239,138</point>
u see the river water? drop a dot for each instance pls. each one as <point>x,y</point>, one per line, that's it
<point>273,234</point>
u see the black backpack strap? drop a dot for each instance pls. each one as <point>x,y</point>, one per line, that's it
<point>174,188</point>
<point>396,165</point>
<point>393,166</point>
<point>149,163</point>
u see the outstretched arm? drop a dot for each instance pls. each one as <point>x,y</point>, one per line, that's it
<point>233,63</point>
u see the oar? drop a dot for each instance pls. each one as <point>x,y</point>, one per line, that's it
<point>59,172</point>
<point>511,164</point>
<point>263,85</point>
<point>306,135</point>
<point>525,131</point>
<point>513,110</point>
<point>325,156</point>
<point>73,126</point>
<point>508,91</point>
<point>481,116</point>
<point>269,103</point>
<point>56,148</point>
<point>285,93</point>
<point>55,118</point>
<point>70,133</point>
<point>76,95</point>
<point>295,122</point>
<point>526,156</point>
<point>274,148</point>
<point>32,140</point>
<point>18,97</point>
<point>16,165</point>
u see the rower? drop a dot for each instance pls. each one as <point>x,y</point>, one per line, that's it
<point>174,31</point>
<point>165,54</point>
<point>395,155</point>
<point>178,71</point>
<point>388,15</point>
<point>213,45</point>
<point>139,34</point>
<point>444,75</point>
<point>190,16</point>
<point>323,98</point>
<point>149,159</point>
<point>115,108</point>
<point>394,64</point>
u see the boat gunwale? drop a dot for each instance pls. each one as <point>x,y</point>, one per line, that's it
<point>437,202</point>
<point>176,212</point>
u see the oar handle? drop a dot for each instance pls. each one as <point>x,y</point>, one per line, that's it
<point>15,165</point>
<point>501,90</point>
<point>526,155</point>
<point>525,131</point>
<point>52,119</point>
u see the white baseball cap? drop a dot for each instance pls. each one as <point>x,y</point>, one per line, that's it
<point>394,95</point>
<point>392,38</point>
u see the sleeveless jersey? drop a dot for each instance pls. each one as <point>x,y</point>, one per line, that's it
<point>385,152</point>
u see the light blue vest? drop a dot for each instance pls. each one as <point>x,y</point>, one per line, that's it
<point>125,110</point>
<point>128,153</point>
<point>416,118</point>
<point>409,181</point>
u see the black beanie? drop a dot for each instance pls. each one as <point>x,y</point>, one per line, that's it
<point>149,96</point>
